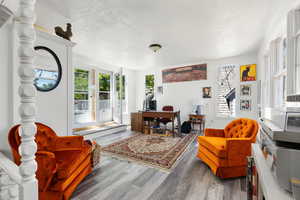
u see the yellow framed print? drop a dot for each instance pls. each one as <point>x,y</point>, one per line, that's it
<point>248,72</point>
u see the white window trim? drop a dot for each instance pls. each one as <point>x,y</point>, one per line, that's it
<point>293,31</point>
<point>274,74</point>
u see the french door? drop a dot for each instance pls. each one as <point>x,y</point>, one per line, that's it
<point>99,96</point>
<point>83,97</point>
<point>105,112</point>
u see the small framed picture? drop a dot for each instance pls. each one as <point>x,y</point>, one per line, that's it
<point>245,90</point>
<point>160,89</point>
<point>248,72</point>
<point>206,92</point>
<point>245,105</point>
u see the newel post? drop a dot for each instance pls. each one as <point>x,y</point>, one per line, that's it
<point>27,93</point>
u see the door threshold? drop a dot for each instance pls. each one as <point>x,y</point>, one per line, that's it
<point>97,128</point>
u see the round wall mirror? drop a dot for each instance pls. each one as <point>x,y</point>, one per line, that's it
<point>48,69</point>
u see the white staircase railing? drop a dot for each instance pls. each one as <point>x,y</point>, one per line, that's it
<point>27,93</point>
<point>10,179</point>
<point>20,182</point>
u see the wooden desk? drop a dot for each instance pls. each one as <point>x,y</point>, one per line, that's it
<point>163,114</point>
<point>197,119</point>
<point>136,122</point>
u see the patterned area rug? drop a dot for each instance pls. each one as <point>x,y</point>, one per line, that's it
<point>154,150</point>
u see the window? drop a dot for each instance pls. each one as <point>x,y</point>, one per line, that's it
<point>45,79</point>
<point>293,55</point>
<point>104,86</point>
<point>266,85</point>
<point>149,84</point>
<point>278,72</point>
<point>226,92</point>
<point>82,101</point>
<point>104,97</point>
<point>121,93</point>
<point>120,87</point>
<point>297,67</point>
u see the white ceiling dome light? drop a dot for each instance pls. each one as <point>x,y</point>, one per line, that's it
<point>5,14</point>
<point>155,47</point>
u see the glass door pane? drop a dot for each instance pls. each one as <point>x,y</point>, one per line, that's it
<point>105,104</point>
<point>82,100</point>
<point>297,71</point>
<point>117,99</point>
<point>120,105</point>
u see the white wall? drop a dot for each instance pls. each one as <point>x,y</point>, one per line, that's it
<point>183,95</point>
<point>5,89</point>
<point>53,106</point>
<point>12,5</point>
<point>130,93</point>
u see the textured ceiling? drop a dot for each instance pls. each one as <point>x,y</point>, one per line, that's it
<point>119,32</point>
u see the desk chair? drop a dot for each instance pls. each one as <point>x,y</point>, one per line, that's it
<point>165,121</point>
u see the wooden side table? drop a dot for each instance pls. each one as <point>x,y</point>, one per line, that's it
<point>197,119</point>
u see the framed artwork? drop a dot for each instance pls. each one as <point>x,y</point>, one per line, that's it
<point>245,90</point>
<point>248,72</point>
<point>160,89</point>
<point>245,105</point>
<point>186,73</point>
<point>206,92</point>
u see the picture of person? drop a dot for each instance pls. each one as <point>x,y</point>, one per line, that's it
<point>245,105</point>
<point>248,72</point>
<point>245,90</point>
<point>206,91</point>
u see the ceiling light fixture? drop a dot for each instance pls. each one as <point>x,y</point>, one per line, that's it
<point>155,47</point>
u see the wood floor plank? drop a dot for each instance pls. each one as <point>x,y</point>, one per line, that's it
<point>191,179</point>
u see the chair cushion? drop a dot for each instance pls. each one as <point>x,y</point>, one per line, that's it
<point>69,161</point>
<point>63,184</point>
<point>216,145</point>
<point>220,162</point>
<point>240,128</point>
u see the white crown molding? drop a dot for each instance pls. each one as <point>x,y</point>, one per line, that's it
<point>55,38</point>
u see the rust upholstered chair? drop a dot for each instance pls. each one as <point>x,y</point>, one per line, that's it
<point>225,151</point>
<point>63,162</point>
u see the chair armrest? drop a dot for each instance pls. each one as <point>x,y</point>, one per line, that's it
<point>69,143</point>
<point>214,132</point>
<point>46,168</point>
<point>237,150</point>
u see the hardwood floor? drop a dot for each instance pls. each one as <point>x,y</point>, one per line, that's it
<point>122,180</point>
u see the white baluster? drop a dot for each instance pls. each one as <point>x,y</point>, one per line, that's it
<point>8,188</point>
<point>27,92</point>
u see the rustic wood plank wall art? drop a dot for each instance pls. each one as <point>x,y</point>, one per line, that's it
<point>186,73</point>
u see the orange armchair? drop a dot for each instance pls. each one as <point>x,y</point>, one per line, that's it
<point>225,151</point>
<point>63,162</point>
